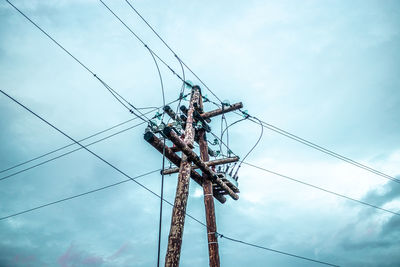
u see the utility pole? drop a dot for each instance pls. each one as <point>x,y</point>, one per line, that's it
<point>215,185</point>
<point>182,190</point>
<point>209,202</point>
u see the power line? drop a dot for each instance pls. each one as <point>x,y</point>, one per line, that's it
<point>326,151</point>
<point>162,165</point>
<point>255,145</point>
<point>70,144</point>
<point>114,93</point>
<point>314,186</point>
<point>67,153</point>
<point>161,206</point>
<point>276,251</point>
<point>322,189</point>
<point>76,196</point>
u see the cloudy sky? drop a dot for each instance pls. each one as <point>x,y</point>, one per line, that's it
<point>328,71</point>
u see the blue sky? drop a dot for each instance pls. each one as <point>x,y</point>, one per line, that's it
<point>327,71</point>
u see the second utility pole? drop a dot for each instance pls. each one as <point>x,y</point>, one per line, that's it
<point>209,201</point>
<point>182,190</point>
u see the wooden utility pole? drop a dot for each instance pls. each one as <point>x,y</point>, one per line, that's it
<point>215,185</point>
<point>182,190</point>
<point>213,252</point>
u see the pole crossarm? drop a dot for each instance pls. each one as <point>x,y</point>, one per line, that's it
<point>223,110</point>
<point>196,160</point>
<point>208,163</point>
<point>175,159</point>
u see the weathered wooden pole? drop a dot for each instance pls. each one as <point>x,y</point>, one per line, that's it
<point>182,190</point>
<point>213,251</point>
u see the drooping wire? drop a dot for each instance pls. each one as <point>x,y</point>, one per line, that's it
<point>183,85</point>
<point>226,130</point>
<point>163,163</point>
<point>161,207</point>
<point>251,150</point>
<point>160,76</point>
<point>227,134</point>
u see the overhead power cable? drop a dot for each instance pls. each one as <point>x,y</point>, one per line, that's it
<point>276,251</point>
<point>67,153</point>
<point>313,186</point>
<point>162,165</point>
<point>113,92</point>
<point>322,189</point>
<point>66,146</point>
<point>296,138</point>
<point>103,160</point>
<point>326,151</point>
<point>81,140</point>
<point>255,145</point>
<point>76,196</point>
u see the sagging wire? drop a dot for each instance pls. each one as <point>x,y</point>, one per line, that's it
<point>183,85</point>
<point>163,161</point>
<point>255,145</point>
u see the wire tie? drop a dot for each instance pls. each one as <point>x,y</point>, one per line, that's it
<point>208,195</point>
<point>212,233</point>
<point>212,243</point>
